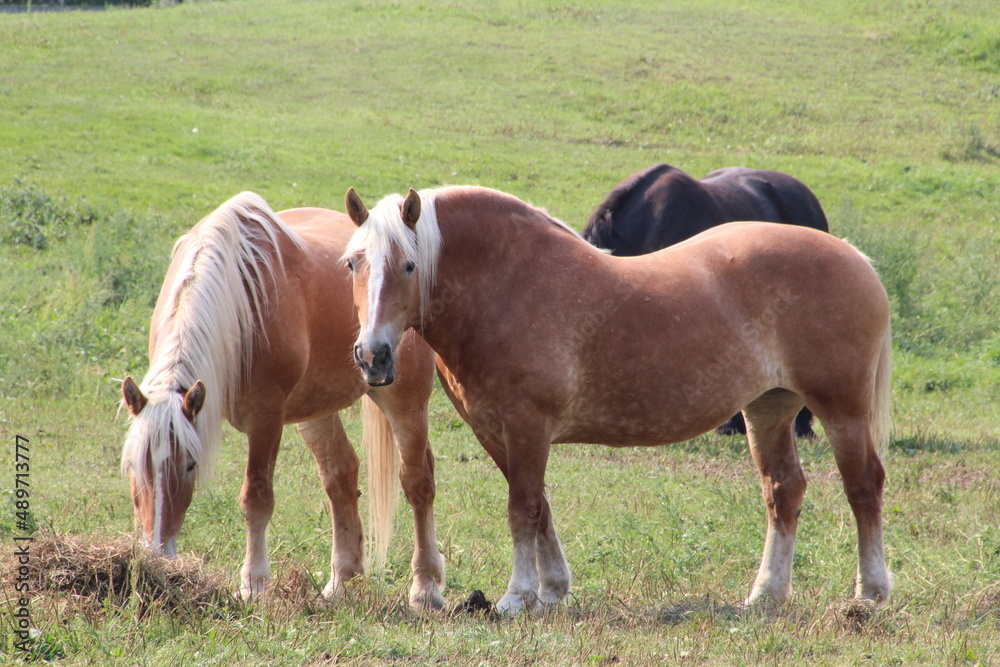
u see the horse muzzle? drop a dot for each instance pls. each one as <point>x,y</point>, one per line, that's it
<point>167,548</point>
<point>376,364</point>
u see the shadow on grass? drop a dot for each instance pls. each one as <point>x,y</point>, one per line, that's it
<point>839,617</point>
<point>935,444</point>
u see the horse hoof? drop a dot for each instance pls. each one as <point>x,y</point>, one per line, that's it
<point>253,586</point>
<point>878,589</point>
<point>248,595</point>
<point>551,597</point>
<point>430,600</point>
<point>511,604</point>
<point>760,601</point>
<point>333,591</point>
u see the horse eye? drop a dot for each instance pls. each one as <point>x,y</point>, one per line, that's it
<point>350,264</point>
<point>409,267</point>
<point>191,465</point>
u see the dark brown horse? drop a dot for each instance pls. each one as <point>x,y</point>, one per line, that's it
<point>254,324</point>
<point>542,338</point>
<point>661,206</point>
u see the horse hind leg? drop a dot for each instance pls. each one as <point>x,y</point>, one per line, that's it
<point>772,445</point>
<point>863,478</point>
<point>338,465</point>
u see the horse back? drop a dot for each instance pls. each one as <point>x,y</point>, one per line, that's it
<point>661,206</point>
<point>768,196</point>
<point>304,355</point>
<point>651,209</point>
<point>780,293</point>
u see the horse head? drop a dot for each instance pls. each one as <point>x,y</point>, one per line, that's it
<point>160,459</point>
<point>383,259</point>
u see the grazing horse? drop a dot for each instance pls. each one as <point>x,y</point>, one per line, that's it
<point>255,324</point>
<point>543,338</point>
<point>662,206</point>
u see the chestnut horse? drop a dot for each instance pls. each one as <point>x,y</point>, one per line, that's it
<point>542,338</point>
<point>254,324</point>
<point>661,206</point>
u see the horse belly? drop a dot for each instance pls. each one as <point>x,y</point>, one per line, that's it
<point>317,396</point>
<point>668,403</point>
<point>619,426</point>
<point>330,380</point>
<point>667,369</point>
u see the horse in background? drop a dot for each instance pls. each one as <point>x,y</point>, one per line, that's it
<point>661,206</point>
<point>542,338</point>
<point>254,324</point>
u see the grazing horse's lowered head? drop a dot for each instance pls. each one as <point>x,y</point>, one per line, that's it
<point>161,459</point>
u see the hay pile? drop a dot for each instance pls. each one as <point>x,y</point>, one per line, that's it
<point>98,571</point>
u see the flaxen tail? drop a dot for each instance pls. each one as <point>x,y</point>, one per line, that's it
<point>383,479</point>
<point>881,414</point>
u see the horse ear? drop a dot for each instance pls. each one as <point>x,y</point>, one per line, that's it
<point>356,208</point>
<point>134,398</point>
<point>411,209</point>
<point>194,399</point>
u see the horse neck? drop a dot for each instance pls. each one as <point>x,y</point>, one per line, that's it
<point>492,245</point>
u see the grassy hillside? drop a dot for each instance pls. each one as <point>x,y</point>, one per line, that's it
<point>120,129</point>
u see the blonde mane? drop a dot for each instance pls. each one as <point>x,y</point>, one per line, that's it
<point>213,312</point>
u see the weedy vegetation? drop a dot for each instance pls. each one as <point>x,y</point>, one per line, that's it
<point>120,129</point>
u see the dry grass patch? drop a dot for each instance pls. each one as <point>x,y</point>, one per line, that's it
<point>94,572</point>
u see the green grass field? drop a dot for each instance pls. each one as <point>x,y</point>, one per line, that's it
<point>120,129</point>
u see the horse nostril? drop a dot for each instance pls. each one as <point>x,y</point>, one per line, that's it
<point>357,354</point>
<point>382,356</point>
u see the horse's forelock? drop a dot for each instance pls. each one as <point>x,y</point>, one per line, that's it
<point>385,231</point>
<point>156,431</point>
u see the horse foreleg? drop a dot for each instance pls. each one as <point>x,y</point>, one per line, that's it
<point>783,484</point>
<point>550,562</point>
<point>416,476</point>
<point>404,405</point>
<point>338,465</point>
<point>257,505</point>
<point>863,477</point>
<point>527,511</point>
<point>553,570</point>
